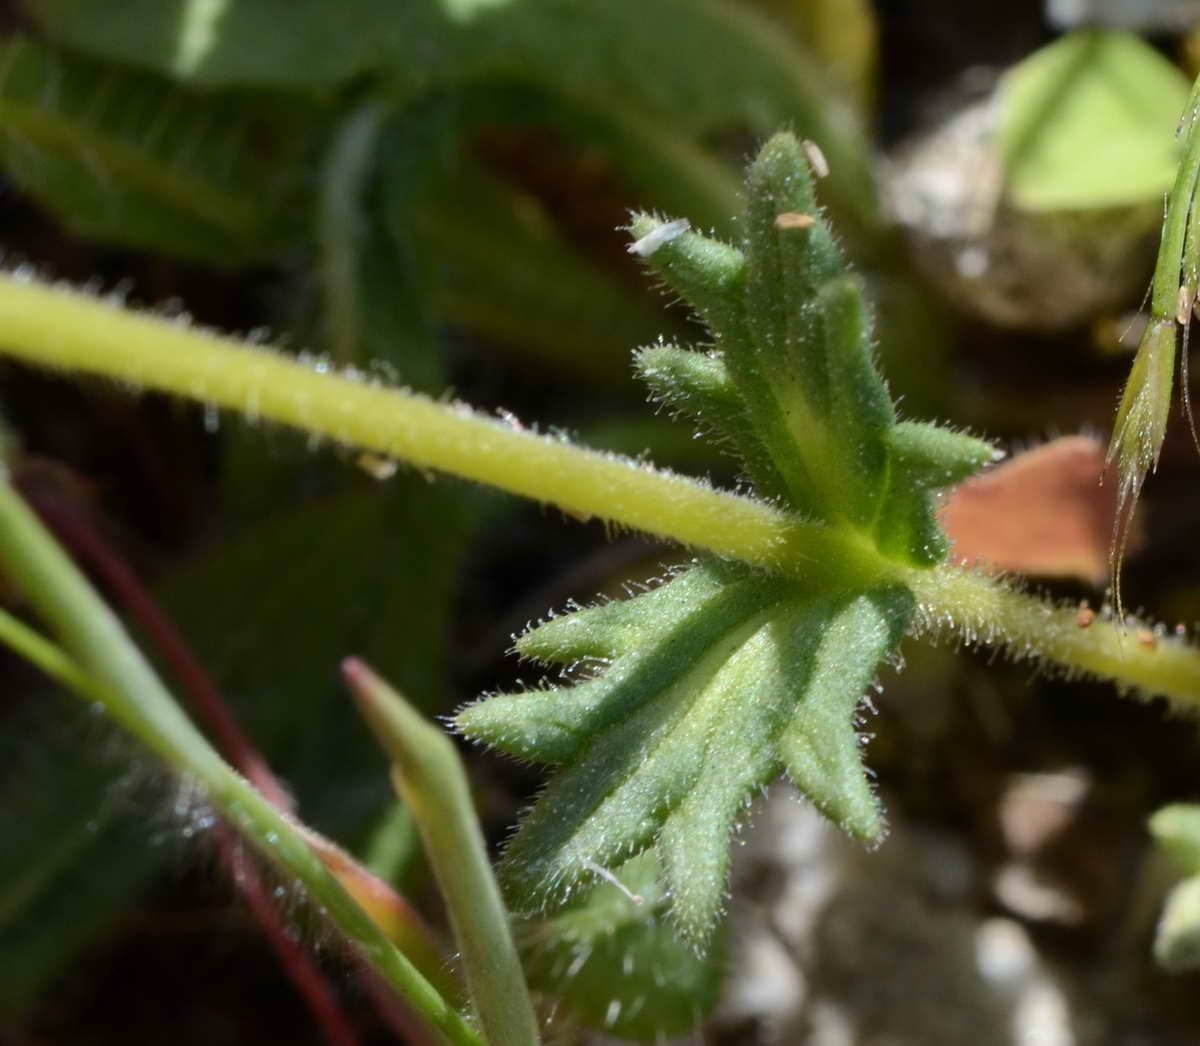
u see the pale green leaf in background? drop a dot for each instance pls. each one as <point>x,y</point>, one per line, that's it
<point>1086,122</point>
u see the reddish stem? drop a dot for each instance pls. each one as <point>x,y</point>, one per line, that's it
<point>72,527</point>
<point>297,963</point>
<point>85,541</point>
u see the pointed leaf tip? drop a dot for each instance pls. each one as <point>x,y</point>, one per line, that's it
<point>821,747</point>
<point>726,678</point>
<point>1141,423</point>
<point>1139,431</point>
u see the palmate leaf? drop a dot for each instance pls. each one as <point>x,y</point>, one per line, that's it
<point>691,698</point>
<point>715,683</point>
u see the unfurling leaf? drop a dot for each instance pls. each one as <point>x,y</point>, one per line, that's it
<point>685,702</point>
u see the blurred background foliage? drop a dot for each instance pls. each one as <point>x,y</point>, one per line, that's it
<point>431,192</point>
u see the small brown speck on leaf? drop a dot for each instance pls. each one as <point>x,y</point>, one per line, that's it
<point>794,220</point>
<point>816,157</point>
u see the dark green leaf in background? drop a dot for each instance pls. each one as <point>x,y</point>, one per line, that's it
<point>369,570</point>
<point>76,848</point>
<point>665,64</point>
<point>130,159</point>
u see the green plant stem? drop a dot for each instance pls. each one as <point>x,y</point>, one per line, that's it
<point>53,327</point>
<point>124,684</point>
<point>982,608</point>
<point>44,655</point>
<point>429,777</point>
<point>1164,299</point>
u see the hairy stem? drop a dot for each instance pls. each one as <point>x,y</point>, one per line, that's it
<point>1164,301</point>
<point>982,608</point>
<point>387,908</point>
<point>95,554</point>
<point>53,327</point>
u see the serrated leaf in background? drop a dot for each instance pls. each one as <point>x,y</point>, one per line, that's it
<point>594,52</point>
<point>130,159</point>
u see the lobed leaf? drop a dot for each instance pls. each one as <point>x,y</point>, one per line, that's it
<point>715,683</point>
<point>924,459</point>
<point>688,700</point>
<point>793,385</point>
<point>699,385</point>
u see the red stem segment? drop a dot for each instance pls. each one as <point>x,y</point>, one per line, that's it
<point>298,964</point>
<point>86,543</point>
<point>70,524</point>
